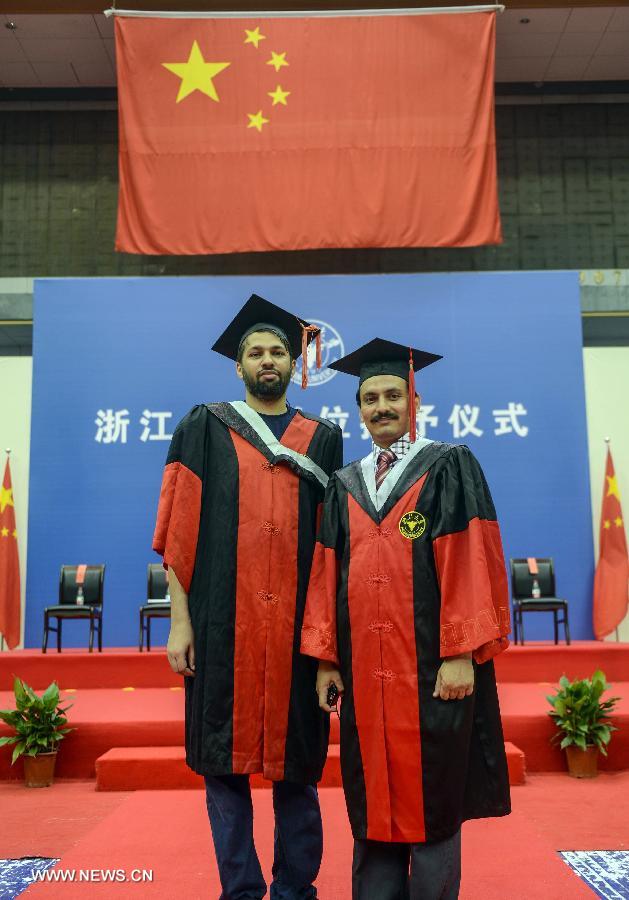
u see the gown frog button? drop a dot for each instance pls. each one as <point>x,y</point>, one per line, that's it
<point>387,626</point>
<point>270,528</point>
<point>378,578</point>
<point>384,674</point>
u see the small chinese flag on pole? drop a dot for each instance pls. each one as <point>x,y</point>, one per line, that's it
<point>10,612</point>
<point>612,572</point>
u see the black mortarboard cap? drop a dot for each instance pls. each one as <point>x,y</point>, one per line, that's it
<point>380,357</point>
<point>259,314</point>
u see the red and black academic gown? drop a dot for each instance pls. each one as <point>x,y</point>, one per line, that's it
<point>237,523</point>
<point>401,580</point>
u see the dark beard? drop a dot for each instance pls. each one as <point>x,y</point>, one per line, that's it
<point>263,390</point>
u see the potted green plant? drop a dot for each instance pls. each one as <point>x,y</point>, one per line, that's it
<point>583,720</point>
<point>39,725</point>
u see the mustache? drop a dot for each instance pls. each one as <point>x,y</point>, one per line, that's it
<point>268,372</point>
<point>380,417</point>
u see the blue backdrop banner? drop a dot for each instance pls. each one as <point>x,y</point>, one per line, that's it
<point>117,363</point>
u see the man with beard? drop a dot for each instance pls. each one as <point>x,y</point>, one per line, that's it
<point>241,491</point>
<point>407,606</point>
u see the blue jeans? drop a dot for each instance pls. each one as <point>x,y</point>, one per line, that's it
<point>298,839</point>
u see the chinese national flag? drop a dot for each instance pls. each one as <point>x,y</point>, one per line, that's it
<point>292,133</point>
<point>612,572</point>
<point>9,566</point>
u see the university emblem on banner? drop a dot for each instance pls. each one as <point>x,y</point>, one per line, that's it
<point>412,525</point>
<point>332,348</point>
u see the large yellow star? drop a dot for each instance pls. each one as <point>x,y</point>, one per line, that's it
<point>6,498</point>
<point>254,37</point>
<point>612,486</point>
<point>277,60</point>
<point>4,532</point>
<point>279,96</point>
<point>257,120</point>
<point>196,74</point>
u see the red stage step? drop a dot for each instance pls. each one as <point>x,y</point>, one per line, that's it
<point>154,717</point>
<point>124,666</point>
<point>516,762</point>
<point>542,661</point>
<point>115,667</point>
<point>164,768</point>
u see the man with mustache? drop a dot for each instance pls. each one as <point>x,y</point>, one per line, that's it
<point>407,606</point>
<point>236,526</point>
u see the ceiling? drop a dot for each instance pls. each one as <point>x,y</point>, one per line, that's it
<point>533,45</point>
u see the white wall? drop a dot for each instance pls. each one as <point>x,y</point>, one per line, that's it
<point>607,399</point>
<point>15,432</point>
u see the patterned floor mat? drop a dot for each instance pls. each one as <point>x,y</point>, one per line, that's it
<point>17,874</point>
<point>605,871</point>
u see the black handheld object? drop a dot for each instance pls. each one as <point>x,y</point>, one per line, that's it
<point>333,694</point>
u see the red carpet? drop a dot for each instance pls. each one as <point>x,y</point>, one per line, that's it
<point>168,832</point>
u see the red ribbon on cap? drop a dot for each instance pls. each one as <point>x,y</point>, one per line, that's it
<point>305,331</point>
<point>80,574</point>
<point>411,398</point>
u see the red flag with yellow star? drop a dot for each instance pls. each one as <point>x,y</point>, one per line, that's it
<point>299,132</point>
<point>10,610</point>
<point>611,581</point>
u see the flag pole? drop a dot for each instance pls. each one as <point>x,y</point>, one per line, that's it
<point>299,13</point>
<point>8,452</point>
<point>607,443</point>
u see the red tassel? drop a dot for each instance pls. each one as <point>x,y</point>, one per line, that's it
<point>411,399</point>
<point>305,331</point>
<point>304,357</point>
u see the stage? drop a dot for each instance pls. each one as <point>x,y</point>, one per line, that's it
<point>129,719</point>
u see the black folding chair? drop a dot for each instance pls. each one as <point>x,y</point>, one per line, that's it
<point>67,608</point>
<point>523,600</point>
<point>156,588</point>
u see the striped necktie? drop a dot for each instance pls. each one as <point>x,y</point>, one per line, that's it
<point>386,458</point>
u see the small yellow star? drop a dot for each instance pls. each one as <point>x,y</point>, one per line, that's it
<point>196,74</point>
<point>277,60</point>
<point>612,486</point>
<point>6,497</point>
<point>4,532</point>
<point>257,120</point>
<point>617,521</point>
<point>607,524</point>
<point>279,96</point>
<point>254,37</point>
<point>15,533</point>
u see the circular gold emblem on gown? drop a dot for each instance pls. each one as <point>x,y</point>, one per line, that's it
<point>412,525</point>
